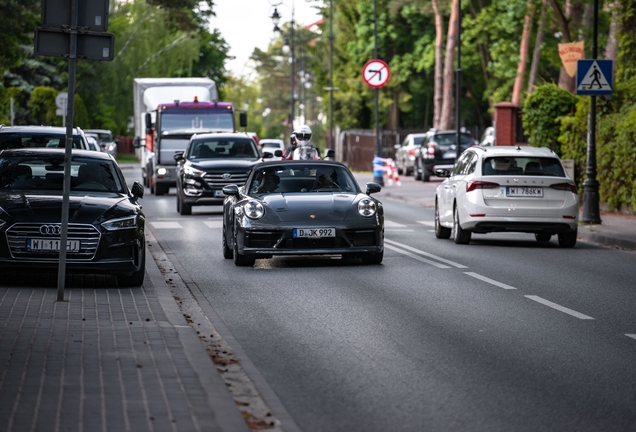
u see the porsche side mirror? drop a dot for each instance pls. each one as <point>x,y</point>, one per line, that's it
<point>231,190</point>
<point>373,188</point>
<point>137,190</point>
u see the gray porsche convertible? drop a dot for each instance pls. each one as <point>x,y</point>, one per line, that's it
<point>302,208</point>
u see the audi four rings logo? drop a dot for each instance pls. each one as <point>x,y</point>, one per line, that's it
<point>50,229</point>
<point>227,175</point>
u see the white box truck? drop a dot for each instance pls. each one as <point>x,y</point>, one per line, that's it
<point>168,111</point>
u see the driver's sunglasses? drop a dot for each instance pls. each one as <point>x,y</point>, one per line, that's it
<point>303,136</point>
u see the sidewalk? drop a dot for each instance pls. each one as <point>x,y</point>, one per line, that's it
<point>616,229</point>
<point>105,359</point>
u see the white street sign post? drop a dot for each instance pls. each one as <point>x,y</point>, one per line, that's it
<point>61,100</point>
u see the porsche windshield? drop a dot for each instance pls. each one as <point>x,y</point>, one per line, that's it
<point>297,178</point>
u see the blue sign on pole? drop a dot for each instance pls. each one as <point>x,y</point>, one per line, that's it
<point>594,77</point>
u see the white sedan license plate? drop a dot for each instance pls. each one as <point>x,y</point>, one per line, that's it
<point>536,192</point>
<point>51,245</point>
<point>314,232</point>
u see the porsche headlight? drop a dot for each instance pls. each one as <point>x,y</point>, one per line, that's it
<point>254,210</point>
<point>366,207</point>
<point>193,171</point>
<point>127,222</point>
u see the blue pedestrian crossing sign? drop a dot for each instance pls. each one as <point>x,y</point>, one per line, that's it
<point>594,77</point>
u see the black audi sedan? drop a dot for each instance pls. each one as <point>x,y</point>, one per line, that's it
<point>210,162</point>
<point>105,221</point>
<point>302,208</point>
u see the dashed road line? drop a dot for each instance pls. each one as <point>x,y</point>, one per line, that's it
<point>421,252</point>
<point>415,257</point>
<point>166,225</point>
<point>214,224</point>
<point>490,281</point>
<point>629,335</point>
<point>559,307</point>
<point>426,223</point>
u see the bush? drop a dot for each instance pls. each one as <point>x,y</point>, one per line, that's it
<point>541,114</point>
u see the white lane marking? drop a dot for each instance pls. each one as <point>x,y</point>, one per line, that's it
<point>391,224</point>
<point>166,225</point>
<point>427,223</point>
<point>421,252</point>
<point>398,230</point>
<point>633,336</point>
<point>214,224</point>
<point>490,281</point>
<point>559,307</point>
<point>415,257</point>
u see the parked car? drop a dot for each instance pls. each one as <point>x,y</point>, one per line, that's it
<point>405,153</point>
<point>93,143</point>
<point>507,189</point>
<point>271,145</point>
<point>106,224</point>
<point>39,136</point>
<point>210,162</point>
<point>302,208</point>
<point>439,148</point>
<point>106,142</point>
<point>488,137</point>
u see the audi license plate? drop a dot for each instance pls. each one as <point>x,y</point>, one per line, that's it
<point>51,245</point>
<point>314,232</point>
<point>535,192</point>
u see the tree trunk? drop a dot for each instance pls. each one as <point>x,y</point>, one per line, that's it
<point>565,81</point>
<point>611,49</point>
<point>536,55</point>
<point>438,96</point>
<point>394,110</point>
<point>523,55</point>
<point>451,42</point>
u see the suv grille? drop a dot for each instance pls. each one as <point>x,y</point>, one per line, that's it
<point>215,180</point>
<point>18,234</point>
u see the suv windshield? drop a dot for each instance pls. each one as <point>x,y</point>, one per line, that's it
<point>220,148</point>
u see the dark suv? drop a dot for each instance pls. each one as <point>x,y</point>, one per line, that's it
<point>210,162</point>
<point>39,136</point>
<point>439,148</point>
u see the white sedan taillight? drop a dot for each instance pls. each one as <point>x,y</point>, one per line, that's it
<point>478,184</point>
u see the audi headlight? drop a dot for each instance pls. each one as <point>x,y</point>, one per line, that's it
<point>366,207</point>
<point>121,223</point>
<point>188,170</point>
<point>254,210</point>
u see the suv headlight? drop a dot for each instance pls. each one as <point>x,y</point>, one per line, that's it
<point>121,223</point>
<point>254,210</point>
<point>188,170</point>
<point>366,207</point>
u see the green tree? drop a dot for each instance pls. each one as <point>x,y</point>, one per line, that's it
<point>42,105</point>
<point>18,19</point>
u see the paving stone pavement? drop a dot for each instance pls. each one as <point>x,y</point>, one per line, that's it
<point>105,359</point>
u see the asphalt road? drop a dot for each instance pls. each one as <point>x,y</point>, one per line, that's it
<point>499,335</point>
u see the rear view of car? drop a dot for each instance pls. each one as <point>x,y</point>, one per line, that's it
<point>507,189</point>
<point>439,148</point>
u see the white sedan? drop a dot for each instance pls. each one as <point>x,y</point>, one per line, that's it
<point>507,189</point>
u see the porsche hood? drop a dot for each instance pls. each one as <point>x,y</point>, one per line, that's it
<point>323,207</point>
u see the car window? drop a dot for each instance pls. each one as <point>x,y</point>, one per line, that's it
<point>533,166</point>
<point>302,179</point>
<point>46,172</point>
<point>30,139</point>
<point>462,163</point>
<point>418,140</point>
<point>220,148</point>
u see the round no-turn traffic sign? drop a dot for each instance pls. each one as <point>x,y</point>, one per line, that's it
<point>376,73</point>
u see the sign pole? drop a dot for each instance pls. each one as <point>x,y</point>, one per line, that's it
<point>72,64</point>
<point>378,143</point>
<point>591,212</point>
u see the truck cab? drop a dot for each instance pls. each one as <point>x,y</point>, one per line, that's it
<point>168,130</point>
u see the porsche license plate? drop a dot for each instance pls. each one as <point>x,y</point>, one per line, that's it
<point>314,232</point>
<point>51,245</point>
<point>536,192</point>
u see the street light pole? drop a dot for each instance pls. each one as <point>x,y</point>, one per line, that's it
<point>591,212</point>
<point>331,143</point>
